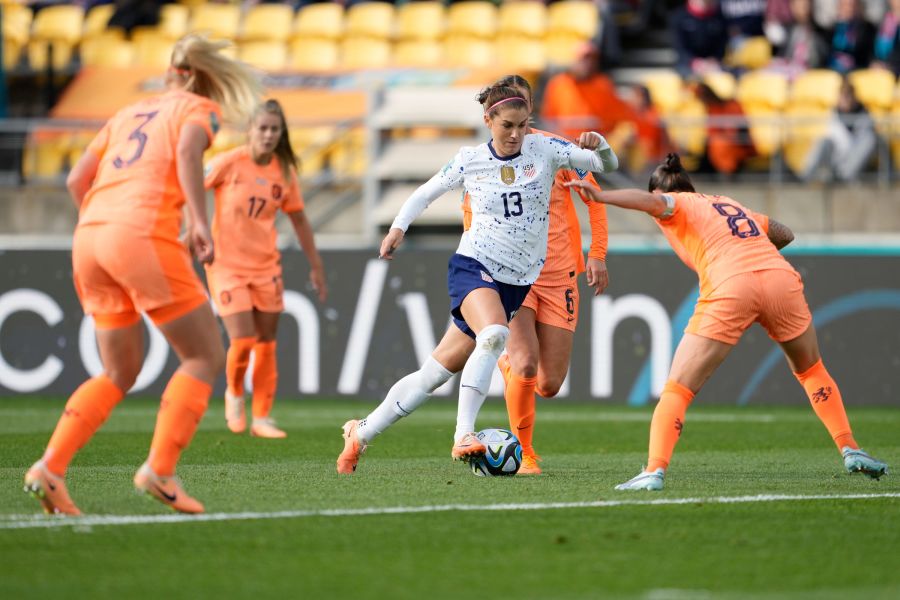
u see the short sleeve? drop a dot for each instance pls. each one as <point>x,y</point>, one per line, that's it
<point>294,200</point>
<point>206,114</point>
<point>215,171</point>
<point>100,142</point>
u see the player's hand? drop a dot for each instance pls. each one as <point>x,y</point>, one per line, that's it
<point>597,275</point>
<point>317,279</point>
<point>591,140</point>
<point>390,243</point>
<point>200,242</point>
<point>586,189</point>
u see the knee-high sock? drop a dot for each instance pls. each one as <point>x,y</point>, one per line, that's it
<point>667,423</point>
<point>520,404</point>
<point>183,403</point>
<point>476,376</point>
<point>265,378</point>
<point>86,410</point>
<point>826,401</point>
<point>403,398</point>
<point>236,362</point>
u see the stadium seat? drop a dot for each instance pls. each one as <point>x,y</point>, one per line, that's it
<point>763,95</point>
<point>189,4</point>
<point>804,126</point>
<point>371,19</point>
<point>16,25</point>
<point>268,55</point>
<point>474,19</point>
<point>816,87</point>
<point>365,53</point>
<point>418,53</point>
<point>688,128</point>
<point>57,27</point>
<point>109,50</point>
<point>349,156</point>
<point>45,154</point>
<point>526,18</point>
<point>874,88</point>
<point>173,20</point>
<point>314,54</point>
<point>722,83</point>
<point>96,20</point>
<point>220,21</point>
<point>577,17</point>
<point>562,48</point>
<point>313,145</point>
<point>519,53</point>
<point>152,49</point>
<point>268,22</point>
<point>420,20</point>
<point>666,90</point>
<point>323,20</point>
<point>752,53</point>
<point>472,52</point>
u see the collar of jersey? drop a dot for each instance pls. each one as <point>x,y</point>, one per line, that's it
<point>498,157</point>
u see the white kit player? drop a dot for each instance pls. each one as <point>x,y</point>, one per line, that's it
<point>508,180</point>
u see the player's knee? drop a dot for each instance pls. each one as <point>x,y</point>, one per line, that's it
<point>124,374</point>
<point>215,358</point>
<point>548,388</point>
<point>524,364</point>
<point>493,338</point>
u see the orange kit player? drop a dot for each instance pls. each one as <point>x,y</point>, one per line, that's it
<point>743,280</point>
<point>540,337</point>
<point>131,185</point>
<point>252,183</point>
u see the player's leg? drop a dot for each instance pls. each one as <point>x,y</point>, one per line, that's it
<point>519,367</point>
<point>265,375</point>
<point>241,328</point>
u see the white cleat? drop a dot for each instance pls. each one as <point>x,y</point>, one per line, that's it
<point>859,461</point>
<point>652,481</point>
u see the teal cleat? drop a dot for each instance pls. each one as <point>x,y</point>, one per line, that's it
<point>652,481</point>
<point>858,461</point>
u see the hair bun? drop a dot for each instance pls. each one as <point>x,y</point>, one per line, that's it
<point>673,162</point>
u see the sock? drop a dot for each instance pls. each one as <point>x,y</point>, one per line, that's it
<point>476,376</point>
<point>826,401</point>
<point>86,410</point>
<point>520,404</point>
<point>236,363</point>
<point>403,398</point>
<point>667,423</point>
<point>183,404</point>
<point>265,378</point>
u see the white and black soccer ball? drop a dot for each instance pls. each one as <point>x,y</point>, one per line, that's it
<point>503,455</point>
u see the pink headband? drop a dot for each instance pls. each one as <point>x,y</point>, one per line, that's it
<point>498,103</point>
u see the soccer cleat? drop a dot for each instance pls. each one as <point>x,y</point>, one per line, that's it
<point>353,449</point>
<point>858,461</point>
<point>529,465</point>
<point>235,415</point>
<point>467,447</point>
<point>167,490</point>
<point>50,490</point>
<point>265,428</point>
<point>652,481</point>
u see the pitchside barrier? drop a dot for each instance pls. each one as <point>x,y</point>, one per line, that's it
<point>383,318</point>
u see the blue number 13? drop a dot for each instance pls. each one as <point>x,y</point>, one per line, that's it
<point>516,199</point>
<point>140,137</point>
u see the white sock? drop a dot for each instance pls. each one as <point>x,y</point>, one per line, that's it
<point>403,398</point>
<point>476,376</point>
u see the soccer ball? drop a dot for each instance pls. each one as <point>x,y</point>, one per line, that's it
<point>503,455</point>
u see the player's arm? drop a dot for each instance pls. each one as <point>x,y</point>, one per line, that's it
<point>595,265</point>
<point>192,142</point>
<point>660,206</point>
<point>308,242</point>
<point>591,140</point>
<point>81,176</point>
<point>779,234</point>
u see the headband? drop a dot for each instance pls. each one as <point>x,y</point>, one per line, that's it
<point>179,71</point>
<point>498,103</point>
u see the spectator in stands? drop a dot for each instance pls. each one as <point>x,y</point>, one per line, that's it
<point>805,47</point>
<point>848,144</point>
<point>582,99</point>
<point>778,19</point>
<point>852,39</point>
<point>826,12</point>
<point>135,13</point>
<point>887,40</point>
<point>700,36</point>
<point>645,142</point>
<point>743,18</point>
<point>728,143</point>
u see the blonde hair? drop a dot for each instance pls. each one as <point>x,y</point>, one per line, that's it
<point>283,150</point>
<point>199,67</point>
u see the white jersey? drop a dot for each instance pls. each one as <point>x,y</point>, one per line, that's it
<point>510,199</point>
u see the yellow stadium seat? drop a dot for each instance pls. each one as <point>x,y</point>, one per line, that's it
<point>96,20</point>
<point>312,145</point>
<point>874,88</point>
<point>268,22</point>
<point>752,53</point>
<point>365,53</point>
<point>722,83</point>
<point>55,29</point>
<point>525,18</point>
<point>804,126</point>
<point>314,54</point>
<point>474,19</point>
<point>418,53</point>
<point>349,156</point>
<point>12,52</point>
<point>39,51</point>
<point>816,87</point>
<point>689,134</point>
<point>269,56</point>
<point>16,23</point>
<point>577,17</point>
<point>472,52</point>
<point>218,20</point>
<point>152,49</point>
<point>323,20</point>
<point>173,20</point>
<point>767,88</point>
<point>420,20</point>
<point>666,90</point>
<point>562,48</point>
<point>108,50</point>
<point>518,53</point>
<point>373,19</point>
<point>45,154</point>
<point>191,3</point>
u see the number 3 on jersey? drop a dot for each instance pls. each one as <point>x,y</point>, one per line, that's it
<point>736,216</point>
<point>516,199</point>
<point>139,136</point>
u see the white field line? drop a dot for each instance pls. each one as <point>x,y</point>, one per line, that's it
<point>42,521</point>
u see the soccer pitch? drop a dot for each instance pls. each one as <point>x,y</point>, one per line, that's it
<point>757,505</point>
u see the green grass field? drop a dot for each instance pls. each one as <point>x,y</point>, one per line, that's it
<point>372,535</point>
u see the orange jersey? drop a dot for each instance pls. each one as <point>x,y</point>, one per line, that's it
<point>248,198</point>
<point>136,182</point>
<point>564,254</point>
<point>718,238</point>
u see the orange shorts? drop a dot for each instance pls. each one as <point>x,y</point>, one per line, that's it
<point>773,298</point>
<point>555,305</point>
<point>235,292</point>
<point>120,272</point>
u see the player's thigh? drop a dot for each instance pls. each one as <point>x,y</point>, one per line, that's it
<point>522,345</point>
<point>122,353</point>
<point>240,324</point>
<point>696,359</point>
<point>266,325</point>
<point>196,340</point>
<point>556,351</point>
<point>483,307</point>
<point>454,349</point>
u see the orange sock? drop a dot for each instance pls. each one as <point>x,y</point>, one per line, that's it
<point>667,423</point>
<point>183,404</point>
<point>236,363</point>
<point>86,410</point>
<point>265,378</point>
<point>826,400</point>
<point>520,404</point>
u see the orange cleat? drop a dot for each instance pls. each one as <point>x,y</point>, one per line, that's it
<point>530,465</point>
<point>265,428</point>
<point>467,447</point>
<point>235,415</point>
<point>50,490</point>
<point>167,490</point>
<point>353,449</point>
